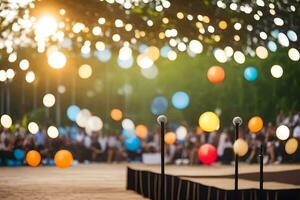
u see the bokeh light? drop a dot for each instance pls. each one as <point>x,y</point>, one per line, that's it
<point>30,77</point>
<point>52,132</point>
<point>128,124</point>
<point>85,71</point>
<point>6,121</point>
<point>116,114</point>
<point>82,117</point>
<point>49,100</point>
<point>72,112</point>
<point>282,132</point>
<point>276,71</point>
<point>57,59</point>
<point>33,128</point>
<point>159,105</point>
<point>180,100</point>
<point>181,133</point>
<point>291,146</point>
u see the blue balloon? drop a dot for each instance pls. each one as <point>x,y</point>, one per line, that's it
<point>128,133</point>
<point>132,144</point>
<point>250,73</point>
<point>159,105</point>
<point>103,56</point>
<point>180,100</point>
<point>10,163</point>
<point>19,154</point>
<point>72,112</point>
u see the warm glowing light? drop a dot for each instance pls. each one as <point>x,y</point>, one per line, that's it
<point>3,75</point>
<point>282,132</point>
<point>33,127</point>
<point>94,123</point>
<point>261,52</point>
<point>223,25</point>
<point>52,132</point>
<point>30,77</point>
<point>6,121</point>
<point>57,59</point>
<point>181,133</point>
<point>10,74</point>
<point>239,57</point>
<point>195,46</point>
<point>294,54</point>
<point>276,71</point>
<point>116,114</point>
<point>49,100</point>
<point>85,71</point>
<point>45,26</point>
<point>24,64</point>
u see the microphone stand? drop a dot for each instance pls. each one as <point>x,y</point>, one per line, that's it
<point>162,160</point>
<point>236,166</point>
<point>261,172</point>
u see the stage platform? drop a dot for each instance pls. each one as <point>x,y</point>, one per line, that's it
<point>282,182</point>
<point>81,182</point>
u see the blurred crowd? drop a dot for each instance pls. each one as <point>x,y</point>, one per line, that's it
<point>109,147</point>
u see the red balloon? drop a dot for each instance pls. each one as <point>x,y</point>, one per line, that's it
<point>207,154</point>
<point>216,74</point>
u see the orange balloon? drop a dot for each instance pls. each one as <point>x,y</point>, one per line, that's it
<point>63,159</point>
<point>33,158</point>
<point>170,138</point>
<point>116,114</point>
<point>141,131</point>
<point>255,124</point>
<point>216,74</point>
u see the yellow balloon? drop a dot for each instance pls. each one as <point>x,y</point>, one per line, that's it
<point>209,122</point>
<point>291,146</point>
<point>240,147</point>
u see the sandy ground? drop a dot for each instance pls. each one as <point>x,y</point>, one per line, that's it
<point>84,182</point>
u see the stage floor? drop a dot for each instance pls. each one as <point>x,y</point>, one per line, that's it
<point>222,176</point>
<point>82,182</point>
<point>104,181</point>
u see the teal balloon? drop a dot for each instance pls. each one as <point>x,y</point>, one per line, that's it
<point>250,73</point>
<point>19,154</point>
<point>132,144</point>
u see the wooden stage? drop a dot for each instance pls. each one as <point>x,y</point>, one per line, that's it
<point>215,182</point>
<point>82,182</point>
<point>108,181</point>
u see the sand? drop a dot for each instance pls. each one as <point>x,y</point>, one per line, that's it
<point>84,182</point>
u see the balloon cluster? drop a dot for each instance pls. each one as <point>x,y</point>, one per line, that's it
<point>62,158</point>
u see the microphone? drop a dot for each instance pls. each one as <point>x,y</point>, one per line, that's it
<point>237,121</point>
<point>162,119</point>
